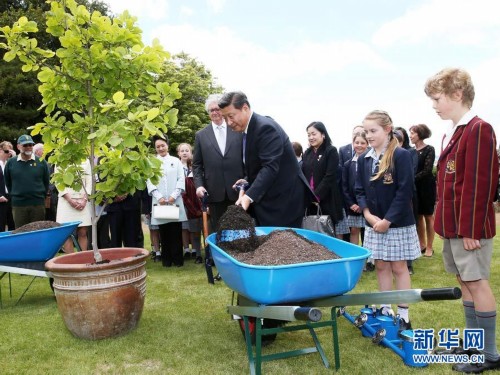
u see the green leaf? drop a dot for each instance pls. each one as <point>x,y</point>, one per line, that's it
<point>45,74</point>
<point>9,56</point>
<point>115,141</point>
<point>132,155</point>
<point>152,113</point>
<point>118,97</point>
<point>68,178</point>
<point>129,141</point>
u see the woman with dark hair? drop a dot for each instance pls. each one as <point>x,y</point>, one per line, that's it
<point>426,187</point>
<point>321,169</point>
<point>169,191</point>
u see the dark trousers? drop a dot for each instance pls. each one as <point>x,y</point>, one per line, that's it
<point>216,210</point>
<point>6,218</point>
<point>171,244</point>
<point>125,228</point>
<point>28,214</point>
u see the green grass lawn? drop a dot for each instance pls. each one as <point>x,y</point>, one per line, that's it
<point>185,329</point>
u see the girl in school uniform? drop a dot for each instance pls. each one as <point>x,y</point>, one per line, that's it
<point>355,219</point>
<point>384,189</point>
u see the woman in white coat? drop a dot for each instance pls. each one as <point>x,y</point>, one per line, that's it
<point>169,191</point>
<point>74,206</point>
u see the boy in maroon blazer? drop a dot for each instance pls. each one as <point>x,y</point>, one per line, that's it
<point>467,179</point>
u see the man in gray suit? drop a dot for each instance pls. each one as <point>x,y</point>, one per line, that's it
<point>217,162</point>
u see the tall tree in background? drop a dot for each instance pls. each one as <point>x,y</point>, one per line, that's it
<point>195,83</point>
<point>19,96</point>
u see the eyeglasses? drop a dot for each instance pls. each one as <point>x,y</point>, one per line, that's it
<point>214,110</point>
<point>28,145</point>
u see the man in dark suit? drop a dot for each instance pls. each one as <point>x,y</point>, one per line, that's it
<point>217,162</point>
<point>277,187</point>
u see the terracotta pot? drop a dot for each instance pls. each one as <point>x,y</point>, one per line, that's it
<point>98,301</point>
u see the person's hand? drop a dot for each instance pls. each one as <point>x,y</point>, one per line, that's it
<point>200,192</point>
<point>162,201</point>
<point>381,226</point>
<point>170,200</point>
<point>355,208</point>
<point>12,153</point>
<point>240,182</point>
<point>371,219</point>
<point>471,244</point>
<point>244,202</point>
<point>3,199</point>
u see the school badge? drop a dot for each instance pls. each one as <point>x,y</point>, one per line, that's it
<point>450,166</point>
<point>388,178</point>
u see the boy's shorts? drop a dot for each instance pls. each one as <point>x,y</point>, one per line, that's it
<point>470,265</point>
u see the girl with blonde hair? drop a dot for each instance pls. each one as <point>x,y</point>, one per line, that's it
<point>384,190</point>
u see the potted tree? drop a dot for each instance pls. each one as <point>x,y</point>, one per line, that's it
<point>102,99</point>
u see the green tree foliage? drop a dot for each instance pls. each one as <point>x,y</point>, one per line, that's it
<point>19,96</point>
<point>101,97</point>
<point>196,84</point>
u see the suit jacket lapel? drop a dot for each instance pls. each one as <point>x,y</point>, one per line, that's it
<point>456,138</point>
<point>212,139</point>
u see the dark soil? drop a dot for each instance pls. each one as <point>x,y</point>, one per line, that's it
<point>280,247</point>
<point>237,230</point>
<point>36,225</point>
<point>283,247</point>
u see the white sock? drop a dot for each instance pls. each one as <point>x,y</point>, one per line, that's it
<point>386,310</point>
<point>403,313</point>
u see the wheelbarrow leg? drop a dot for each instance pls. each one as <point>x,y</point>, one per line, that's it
<point>248,342</point>
<point>319,348</point>
<point>335,335</point>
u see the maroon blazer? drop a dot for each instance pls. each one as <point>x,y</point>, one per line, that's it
<point>467,177</point>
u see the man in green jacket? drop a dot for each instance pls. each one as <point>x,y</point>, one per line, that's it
<point>27,180</point>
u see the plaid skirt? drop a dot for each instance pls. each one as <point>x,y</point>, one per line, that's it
<point>356,221</point>
<point>395,244</point>
<point>341,227</point>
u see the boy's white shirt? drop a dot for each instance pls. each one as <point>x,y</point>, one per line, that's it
<point>469,115</point>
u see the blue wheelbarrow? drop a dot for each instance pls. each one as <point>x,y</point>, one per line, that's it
<point>268,297</point>
<point>26,253</point>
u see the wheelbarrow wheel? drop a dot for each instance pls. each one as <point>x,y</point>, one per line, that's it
<point>266,323</point>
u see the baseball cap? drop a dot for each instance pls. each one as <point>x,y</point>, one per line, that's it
<point>24,140</point>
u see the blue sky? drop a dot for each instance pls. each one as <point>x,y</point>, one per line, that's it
<point>331,60</point>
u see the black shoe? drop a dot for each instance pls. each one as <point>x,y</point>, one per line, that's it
<point>198,260</point>
<point>193,254</point>
<point>477,368</point>
<point>187,255</point>
<point>218,277</point>
<point>403,325</point>
<point>370,267</point>
<point>410,269</point>
<point>152,254</point>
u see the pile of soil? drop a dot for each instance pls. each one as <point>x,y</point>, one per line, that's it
<point>236,231</point>
<point>280,247</point>
<point>36,225</point>
<point>283,247</point>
